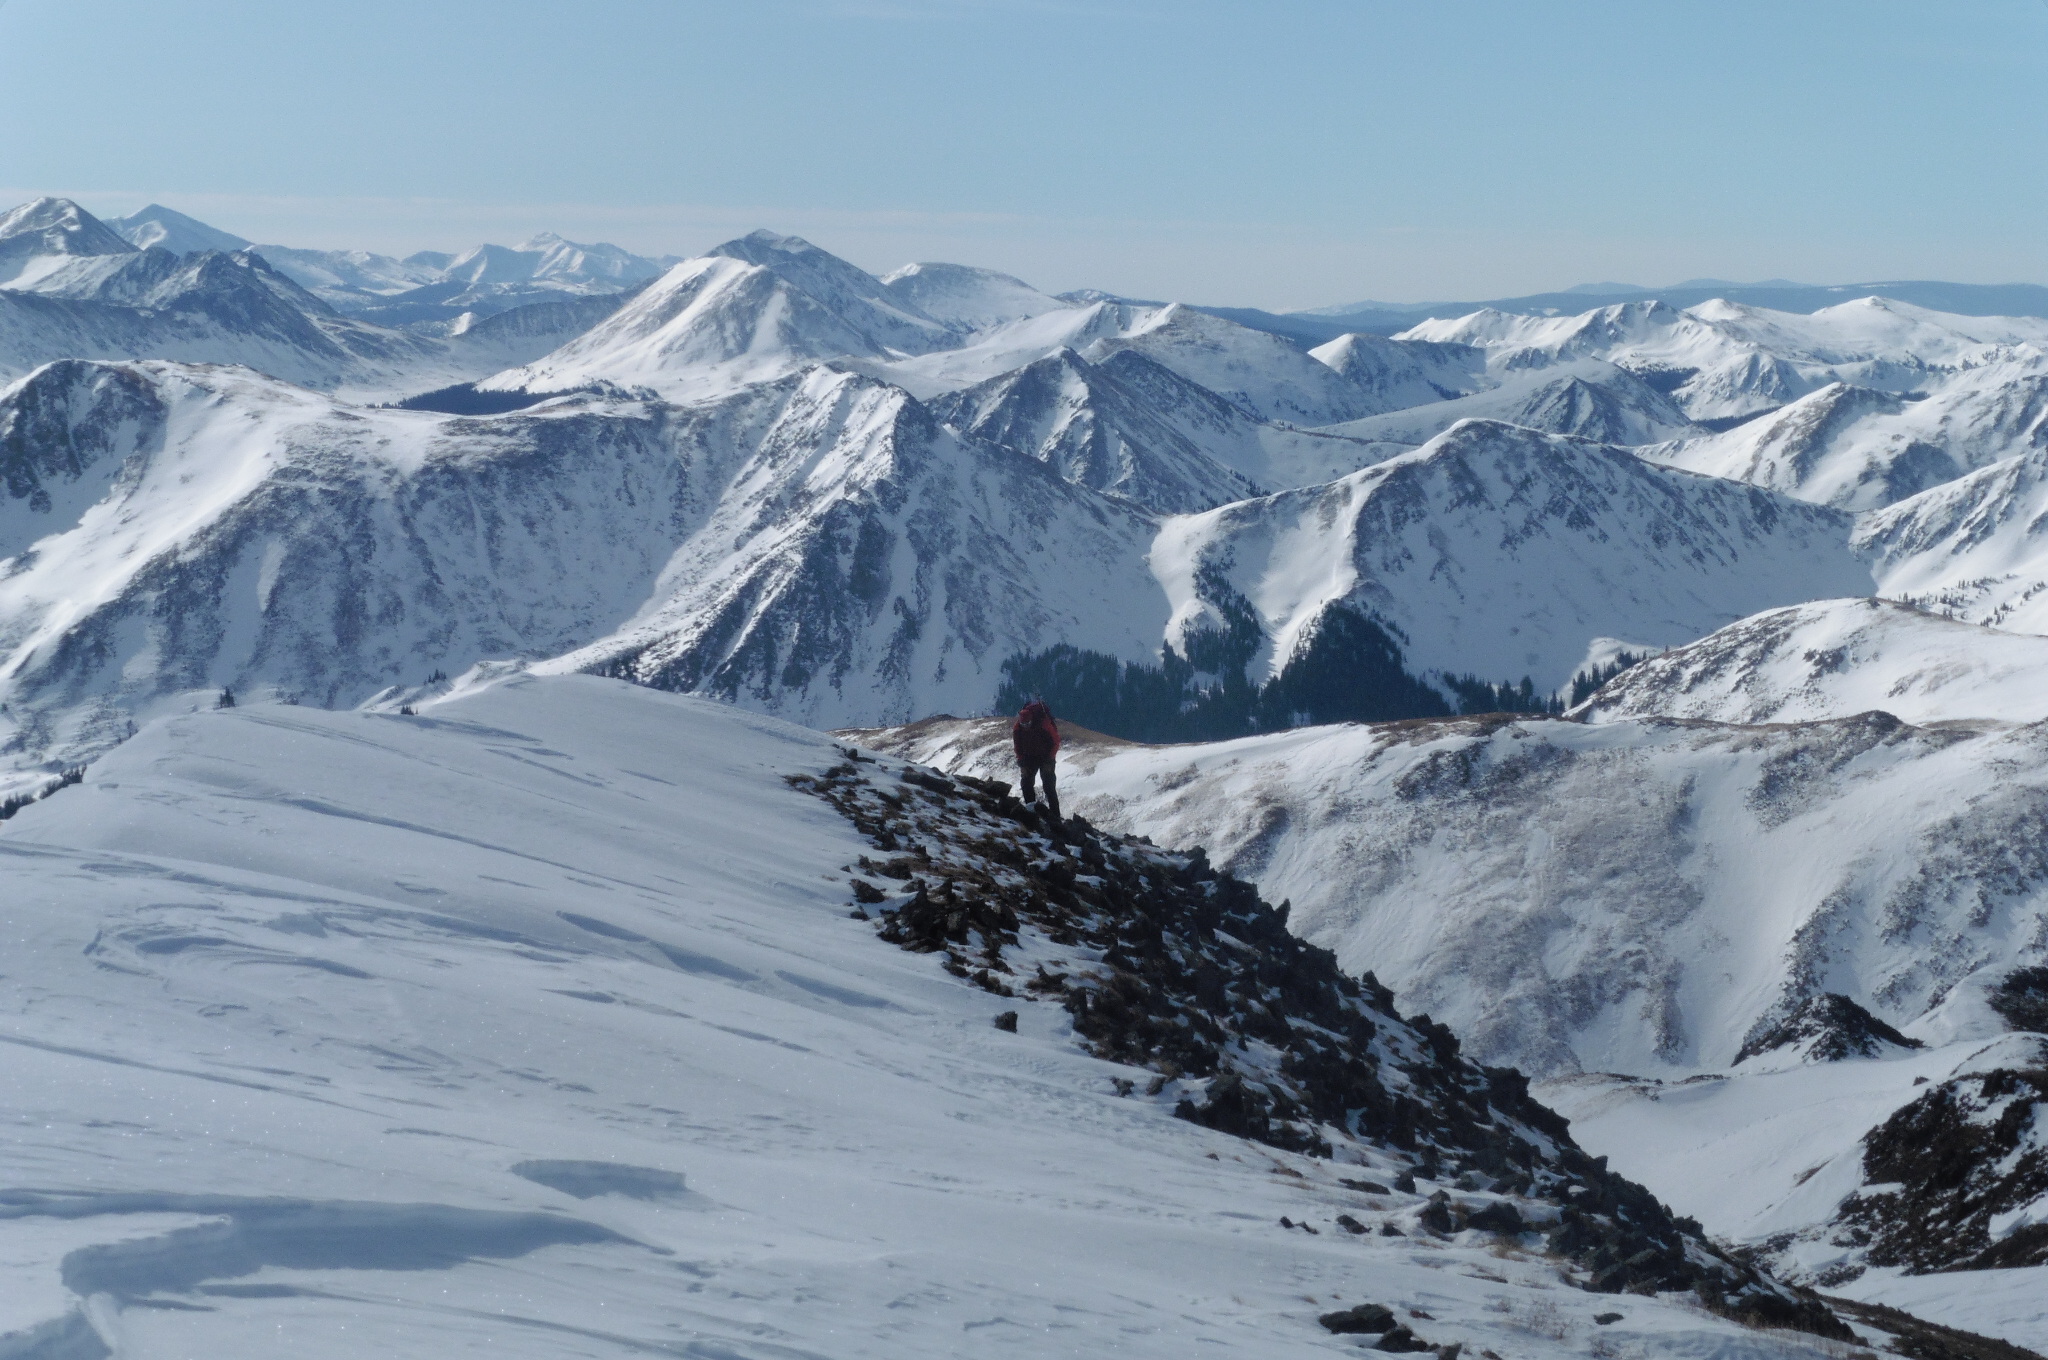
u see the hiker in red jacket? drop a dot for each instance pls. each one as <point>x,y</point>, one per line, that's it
<point>1037,740</point>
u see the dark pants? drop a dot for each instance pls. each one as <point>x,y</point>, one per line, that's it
<point>1036,769</point>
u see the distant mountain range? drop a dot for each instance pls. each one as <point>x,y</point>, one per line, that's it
<point>1647,687</point>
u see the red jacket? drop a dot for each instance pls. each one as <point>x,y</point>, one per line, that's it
<point>1035,735</point>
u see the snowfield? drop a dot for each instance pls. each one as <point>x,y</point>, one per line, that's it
<point>536,1026</point>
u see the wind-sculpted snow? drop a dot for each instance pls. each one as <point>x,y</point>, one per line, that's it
<point>306,1055</point>
<point>1835,659</point>
<point>1497,550</point>
<point>1637,896</point>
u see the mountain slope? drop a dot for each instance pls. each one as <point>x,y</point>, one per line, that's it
<point>1263,373</point>
<point>714,324</point>
<point>170,531</point>
<point>1403,373</point>
<point>865,560</point>
<point>1497,550</point>
<point>1073,416</point>
<point>1975,548</point>
<point>818,545</point>
<point>1835,659</point>
<point>537,1026</point>
<point>49,232</point>
<point>1638,896</point>
<point>1860,449</point>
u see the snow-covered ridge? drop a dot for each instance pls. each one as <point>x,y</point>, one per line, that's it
<point>487,1027</point>
<point>1862,449</point>
<point>1835,659</point>
<point>1496,550</point>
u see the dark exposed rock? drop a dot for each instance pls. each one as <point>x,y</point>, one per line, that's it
<point>1830,1026</point>
<point>1500,1217</point>
<point>1606,1319</point>
<point>2021,997</point>
<point>1007,1022</point>
<point>1948,1165</point>
<point>1401,1339</point>
<point>1167,964</point>
<point>1364,1318</point>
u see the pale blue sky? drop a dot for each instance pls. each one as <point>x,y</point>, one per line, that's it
<point>1274,154</point>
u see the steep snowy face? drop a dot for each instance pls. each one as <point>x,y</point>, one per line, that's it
<point>1403,373</point>
<point>1834,659</point>
<point>1262,373</point>
<point>819,546</point>
<point>170,531</point>
<point>460,1032</point>
<point>703,329</point>
<point>1137,429</point>
<point>968,298</point>
<point>1975,548</point>
<point>864,560</point>
<point>1640,896</point>
<point>895,323</point>
<point>166,229</point>
<point>42,234</point>
<point>1588,398</point>
<point>1860,449</point>
<point>1073,416</point>
<point>1503,552</point>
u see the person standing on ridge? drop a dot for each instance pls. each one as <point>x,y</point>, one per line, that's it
<point>1036,738</point>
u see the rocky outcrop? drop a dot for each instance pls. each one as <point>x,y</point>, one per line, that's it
<point>1169,967</point>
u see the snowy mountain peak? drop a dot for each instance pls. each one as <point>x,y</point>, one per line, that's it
<point>168,229</point>
<point>841,287</point>
<point>44,234</point>
<point>972,299</point>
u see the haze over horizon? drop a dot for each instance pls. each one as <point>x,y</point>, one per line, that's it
<point>1330,153</point>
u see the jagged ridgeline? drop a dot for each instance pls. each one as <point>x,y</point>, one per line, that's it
<point>1171,968</point>
<point>1349,668</point>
